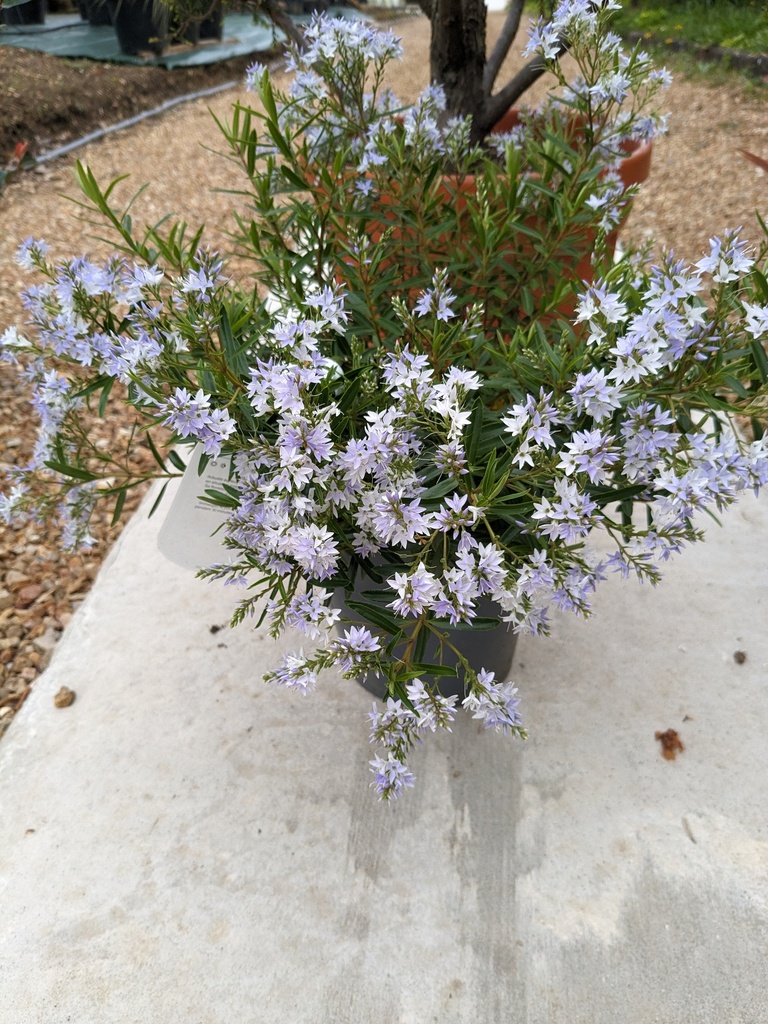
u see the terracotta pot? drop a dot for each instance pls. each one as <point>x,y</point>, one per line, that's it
<point>573,255</point>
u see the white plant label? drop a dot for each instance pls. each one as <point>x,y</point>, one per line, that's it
<point>188,536</point>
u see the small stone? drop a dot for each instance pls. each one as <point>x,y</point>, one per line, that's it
<point>740,657</point>
<point>4,712</point>
<point>29,674</point>
<point>671,744</point>
<point>44,644</point>
<point>29,594</point>
<point>64,697</point>
<point>6,599</point>
<point>15,580</point>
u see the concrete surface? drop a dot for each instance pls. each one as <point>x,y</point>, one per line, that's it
<point>185,844</point>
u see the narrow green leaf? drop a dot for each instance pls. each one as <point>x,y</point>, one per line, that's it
<point>424,668</point>
<point>219,499</point>
<point>105,395</point>
<point>438,490</point>
<point>479,623</point>
<point>72,471</point>
<point>760,359</point>
<point>119,506</point>
<point>176,461</point>
<point>233,353</point>
<point>421,644</point>
<point>376,615</point>
<point>158,499</point>
<point>155,453</point>
<point>736,386</point>
<point>475,432</point>
<point>488,477</point>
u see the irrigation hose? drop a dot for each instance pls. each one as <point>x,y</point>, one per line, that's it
<point>53,154</point>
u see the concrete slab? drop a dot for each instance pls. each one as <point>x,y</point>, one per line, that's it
<point>184,844</point>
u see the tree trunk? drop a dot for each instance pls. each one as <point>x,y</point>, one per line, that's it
<point>457,54</point>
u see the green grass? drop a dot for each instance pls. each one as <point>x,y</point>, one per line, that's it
<point>734,24</point>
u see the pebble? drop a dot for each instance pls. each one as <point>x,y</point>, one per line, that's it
<point>15,580</point>
<point>29,594</point>
<point>64,697</point>
<point>40,585</point>
<point>45,643</point>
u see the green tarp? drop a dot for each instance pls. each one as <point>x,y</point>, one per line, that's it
<point>68,36</point>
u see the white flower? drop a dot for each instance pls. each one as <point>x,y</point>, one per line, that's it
<point>756,321</point>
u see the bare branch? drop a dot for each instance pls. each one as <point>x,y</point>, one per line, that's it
<point>502,45</point>
<point>496,106</point>
<point>276,13</point>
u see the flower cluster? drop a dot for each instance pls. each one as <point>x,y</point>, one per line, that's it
<point>421,448</point>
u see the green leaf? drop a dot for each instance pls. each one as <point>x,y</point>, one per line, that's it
<point>72,471</point>
<point>119,506</point>
<point>219,498</point>
<point>176,461</point>
<point>488,477</point>
<point>760,360</point>
<point>155,453</point>
<point>105,395</point>
<point>421,644</point>
<point>481,623</point>
<point>736,386</point>
<point>233,353</point>
<point>760,280</point>
<point>438,490</point>
<point>424,668</point>
<point>475,432</point>
<point>376,615</point>
<point>158,499</point>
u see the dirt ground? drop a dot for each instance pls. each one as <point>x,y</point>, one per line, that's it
<point>47,101</point>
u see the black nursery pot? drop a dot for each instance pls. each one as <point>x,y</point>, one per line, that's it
<point>139,26</point>
<point>190,33</point>
<point>97,13</point>
<point>212,27</point>
<point>30,13</point>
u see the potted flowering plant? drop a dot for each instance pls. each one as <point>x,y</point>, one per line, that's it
<point>423,417</point>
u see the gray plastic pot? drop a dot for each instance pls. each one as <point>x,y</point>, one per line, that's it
<point>490,649</point>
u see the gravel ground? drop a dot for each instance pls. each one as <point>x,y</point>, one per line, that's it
<point>699,186</point>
